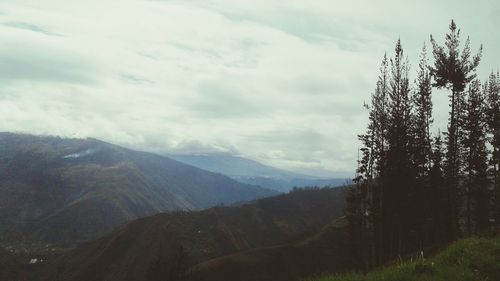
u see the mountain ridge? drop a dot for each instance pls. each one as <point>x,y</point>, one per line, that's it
<point>91,186</point>
<point>253,172</point>
<point>154,247</point>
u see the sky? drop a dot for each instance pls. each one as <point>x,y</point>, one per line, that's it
<point>281,82</point>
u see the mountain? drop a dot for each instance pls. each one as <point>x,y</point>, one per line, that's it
<point>325,251</point>
<point>22,266</point>
<point>164,245</point>
<point>252,172</point>
<point>285,185</point>
<point>65,191</point>
<point>234,166</point>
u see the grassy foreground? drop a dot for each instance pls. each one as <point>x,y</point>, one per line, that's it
<point>466,260</point>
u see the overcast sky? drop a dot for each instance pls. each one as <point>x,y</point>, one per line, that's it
<point>282,82</point>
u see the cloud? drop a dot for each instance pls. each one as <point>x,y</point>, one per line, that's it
<point>224,100</point>
<point>28,26</point>
<point>280,82</point>
<point>197,147</point>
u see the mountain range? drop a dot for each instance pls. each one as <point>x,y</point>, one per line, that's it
<point>65,191</point>
<point>84,209</point>
<point>252,172</point>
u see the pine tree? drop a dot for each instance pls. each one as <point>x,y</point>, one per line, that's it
<point>370,167</point>
<point>476,164</point>
<point>436,229</point>
<point>492,93</point>
<point>422,106</point>
<point>398,179</point>
<point>380,104</point>
<point>421,147</point>
<point>410,189</point>
<point>453,70</point>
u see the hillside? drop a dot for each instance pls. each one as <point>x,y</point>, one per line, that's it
<point>252,172</point>
<point>472,259</point>
<point>11,266</point>
<point>325,251</point>
<point>156,247</point>
<point>64,191</point>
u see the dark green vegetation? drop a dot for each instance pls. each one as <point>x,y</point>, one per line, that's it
<point>11,266</point>
<point>473,259</point>
<point>16,266</point>
<point>325,251</point>
<point>166,245</point>
<point>416,190</point>
<point>65,191</point>
<point>252,172</point>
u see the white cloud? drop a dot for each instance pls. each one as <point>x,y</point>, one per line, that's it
<point>282,82</point>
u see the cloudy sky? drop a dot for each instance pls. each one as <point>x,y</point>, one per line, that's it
<point>282,82</point>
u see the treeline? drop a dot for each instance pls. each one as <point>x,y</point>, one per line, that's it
<point>415,187</point>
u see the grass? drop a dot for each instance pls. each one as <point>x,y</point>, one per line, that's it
<point>466,260</point>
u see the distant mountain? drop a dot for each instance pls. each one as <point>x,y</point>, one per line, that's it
<point>234,166</point>
<point>55,190</point>
<point>163,246</point>
<point>284,185</point>
<point>252,172</point>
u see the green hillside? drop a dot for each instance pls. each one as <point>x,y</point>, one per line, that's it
<point>472,259</point>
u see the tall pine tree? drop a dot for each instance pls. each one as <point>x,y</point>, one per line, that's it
<point>436,230</point>
<point>421,148</point>
<point>453,69</point>
<point>422,106</point>
<point>398,179</point>
<point>370,168</point>
<point>476,164</point>
<point>410,189</point>
<point>492,93</point>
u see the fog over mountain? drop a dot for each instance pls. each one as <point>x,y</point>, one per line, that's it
<point>253,172</point>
